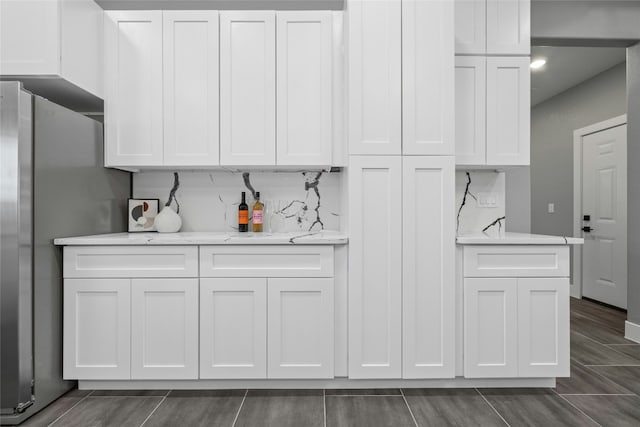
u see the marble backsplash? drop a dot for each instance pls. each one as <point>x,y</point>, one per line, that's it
<point>208,201</point>
<point>473,190</point>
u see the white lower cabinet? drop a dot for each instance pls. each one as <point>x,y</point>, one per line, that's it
<point>300,328</point>
<point>97,329</point>
<point>233,328</point>
<point>516,327</point>
<point>164,328</point>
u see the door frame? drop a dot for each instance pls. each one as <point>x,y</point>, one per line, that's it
<point>578,134</point>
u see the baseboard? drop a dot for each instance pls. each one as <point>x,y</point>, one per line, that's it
<point>632,331</point>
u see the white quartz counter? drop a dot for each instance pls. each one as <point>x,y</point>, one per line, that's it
<point>209,238</point>
<point>509,238</point>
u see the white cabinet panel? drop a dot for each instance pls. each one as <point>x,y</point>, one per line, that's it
<point>164,329</point>
<point>375,267</point>
<point>543,327</point>
<point>233,328</point>
<point>470,25</point>
<point>508,111</point>
<point>97,327</point>
<point>190,50</point>
<point>508,27</point>
<point>490,328</point>
<point>428,264</point>
<point>247,88</point>
<point>516,261</point>
<point>304,87</point>
<point>133,86</point>
<point>375,81</point>
<point>427,77</point>
<point>470,113</point>
<point>300,328</point>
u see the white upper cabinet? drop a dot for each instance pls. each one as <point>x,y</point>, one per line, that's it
<point>428,259</point>
<point>470,24</point>
<point>247,88</point>
<point>427,77</point>
<point>508,111</point>
<point>190,60</point>
<point>492,111</point>
<point>494,27</point>
<point>304,88</point>
<point>133,101</point>
<point>508,27</point>
<point>53,38</point>
<point>470,116</point>
<point>375,86</point>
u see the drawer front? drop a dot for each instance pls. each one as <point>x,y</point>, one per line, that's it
<point>266,261</point>
<point>516,261</point>
<point>130,261</point>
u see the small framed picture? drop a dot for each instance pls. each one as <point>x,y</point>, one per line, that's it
<point>142,213</point>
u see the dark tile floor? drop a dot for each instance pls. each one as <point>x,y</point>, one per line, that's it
<point>603,389</point>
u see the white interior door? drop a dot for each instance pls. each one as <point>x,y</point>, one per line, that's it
<point>604,200</point>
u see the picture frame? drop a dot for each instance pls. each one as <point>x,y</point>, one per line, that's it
<point>141,214</point>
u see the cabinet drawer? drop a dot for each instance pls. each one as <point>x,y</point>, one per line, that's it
<point>516,261</point>
<point>130,261</point>
<point>266,261</point>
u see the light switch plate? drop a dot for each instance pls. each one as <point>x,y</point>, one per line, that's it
<point>551,207</point>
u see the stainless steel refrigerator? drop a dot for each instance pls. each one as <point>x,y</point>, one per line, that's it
<point>52,184</point>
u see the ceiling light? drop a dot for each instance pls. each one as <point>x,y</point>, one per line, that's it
<point>538,63</point>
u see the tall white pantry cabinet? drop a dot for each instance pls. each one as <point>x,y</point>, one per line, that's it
<point>401,189</point>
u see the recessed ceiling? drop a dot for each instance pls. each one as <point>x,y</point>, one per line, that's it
<point>569,66</point>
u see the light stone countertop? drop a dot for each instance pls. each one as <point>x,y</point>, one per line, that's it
<point>508,238</point>
<point>208,238</point>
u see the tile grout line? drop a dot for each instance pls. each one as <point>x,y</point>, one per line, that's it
<point>607,346</point>
<point>324,404</point>
<point>154,410</point>
<point>635,365</point>
<point>492,407</point>
<point>67,411</point>
<point>574,406</point>
<point>596,394</point>
<point>240,408</point>
<point>409,408</point>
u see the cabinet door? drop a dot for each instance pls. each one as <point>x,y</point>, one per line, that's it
<point>508,111</point>
<point>508,27</point>
<point>428,250</point>
<point>97,328</point>
<point>164,329</point>
<point>375,267</point>
<point>233,328</point>
<point>543,327</point>
<point>300,328</point>
<point>470,27</point>
<point>247,88</point>
<point>490,328</point>
<point>470,115</point>
<point>304,82</point>
<point>190,51</point>
<point>30,37</point>
<point>133,88</point>
<point>375,81</point>
<point>427,77</point>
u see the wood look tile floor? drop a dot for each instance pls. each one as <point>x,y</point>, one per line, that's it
<point>604,389</point>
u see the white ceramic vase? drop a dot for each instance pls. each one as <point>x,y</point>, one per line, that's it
<point>168,221</point>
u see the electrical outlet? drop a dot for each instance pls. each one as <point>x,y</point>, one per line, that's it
<point>551,208</point>
<point>487,200</point>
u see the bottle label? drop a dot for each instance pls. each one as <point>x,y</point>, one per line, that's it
<point>243,217</point>
<point>257,217</point>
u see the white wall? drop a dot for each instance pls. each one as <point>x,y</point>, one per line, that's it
<point>209,200</point>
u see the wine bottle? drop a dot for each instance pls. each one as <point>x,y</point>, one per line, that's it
<point>257,217</point>
<point>243,215</point>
